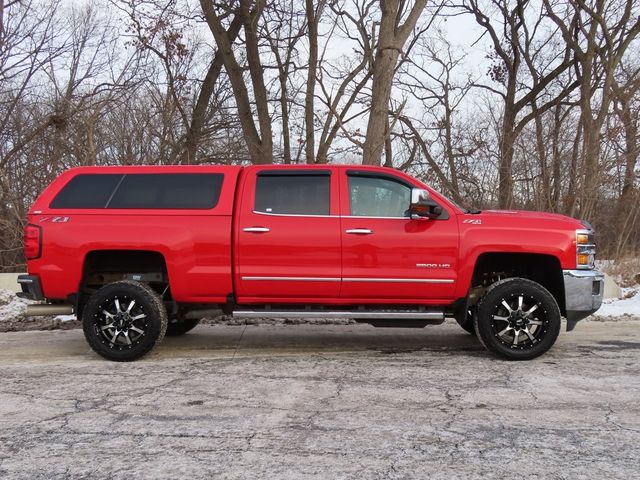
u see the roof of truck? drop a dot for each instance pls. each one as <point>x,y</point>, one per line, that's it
<point>212,168</point>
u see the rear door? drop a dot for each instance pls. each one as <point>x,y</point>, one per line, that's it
<point>288,235</point>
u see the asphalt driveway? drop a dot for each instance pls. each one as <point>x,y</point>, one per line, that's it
<point>322,402</point>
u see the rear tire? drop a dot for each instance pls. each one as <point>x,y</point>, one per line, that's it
<point>124,320</point>
<point>517,319</point>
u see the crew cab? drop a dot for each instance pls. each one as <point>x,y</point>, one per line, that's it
<point>140,251</point>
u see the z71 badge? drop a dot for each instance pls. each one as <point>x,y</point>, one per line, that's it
<point>473,221</point>
<point>54,219</point>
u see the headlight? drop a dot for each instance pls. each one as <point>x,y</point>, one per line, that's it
<point>585,249</point>
<point>582,238</point>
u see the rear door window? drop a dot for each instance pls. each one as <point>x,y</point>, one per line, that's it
<point>293,194</point>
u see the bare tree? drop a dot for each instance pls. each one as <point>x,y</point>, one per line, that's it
<point>627,108</point>
<point>283,30</point>
<point>313,14</point>
<point>259,139</point>
<point>524,66</point>
<point>599,33</point>
<point>342,83</point>
<point>163,30</point>
<point>434,79</point>
<point>39,40</point>
<point>626,88</point>
<point>395,28</point>
<point>27,34</point>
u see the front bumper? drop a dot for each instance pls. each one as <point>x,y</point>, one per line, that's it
<point>31,288</point>
<point>583,290</point>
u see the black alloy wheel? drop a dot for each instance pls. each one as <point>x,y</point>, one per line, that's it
<point>517,319</point>
<point>124,320</point>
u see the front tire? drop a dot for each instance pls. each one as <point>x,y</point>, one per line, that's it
<point>124,320</point>
<point>517,319</point>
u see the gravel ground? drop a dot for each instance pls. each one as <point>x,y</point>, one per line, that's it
<point>322,402</point>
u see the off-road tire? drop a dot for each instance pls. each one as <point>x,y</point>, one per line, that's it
<point>546,317</point>
<point>179,326</point>
<point>147,303</point>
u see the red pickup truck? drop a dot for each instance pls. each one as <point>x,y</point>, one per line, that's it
<point>137,252</point>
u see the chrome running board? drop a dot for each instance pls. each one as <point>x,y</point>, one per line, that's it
<point>355,314</point>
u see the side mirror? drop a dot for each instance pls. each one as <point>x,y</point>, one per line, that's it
<point>422,206</point>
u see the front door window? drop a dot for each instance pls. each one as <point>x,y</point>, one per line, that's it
<point>378,197</point>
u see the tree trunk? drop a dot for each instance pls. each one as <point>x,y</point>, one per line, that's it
<point>312,72</point>
<point>556,160</point>
<point>505,168</point>
<point>259,145</point>
<point>631,152</point>
<point>448,138</point>
<point>626,214</point>
<point>590,156</point>
<point>388,148</point>
<point>380,93</point>
<point>198,117</point>
<point>543,197</point>
<point>391,40</point>
<point>571,197</point>
<point>284,108</point>
<point>250,19</point>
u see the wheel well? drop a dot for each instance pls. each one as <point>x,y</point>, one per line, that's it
<point>542,269</point>
<point>106,266</point>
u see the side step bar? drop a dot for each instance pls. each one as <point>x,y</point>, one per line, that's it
<point>355,314</point>
<point>44,309</point>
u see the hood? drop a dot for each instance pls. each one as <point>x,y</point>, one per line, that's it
<point>533,217</point>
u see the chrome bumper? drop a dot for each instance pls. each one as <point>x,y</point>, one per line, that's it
<point>583,290</point>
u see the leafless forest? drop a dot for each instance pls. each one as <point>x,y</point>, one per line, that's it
<point>544,118</point>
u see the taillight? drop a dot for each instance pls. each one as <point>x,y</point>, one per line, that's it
<point>32,242</point>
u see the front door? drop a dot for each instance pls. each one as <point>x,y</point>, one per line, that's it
<point>385,254</point>
<point>288,233</point>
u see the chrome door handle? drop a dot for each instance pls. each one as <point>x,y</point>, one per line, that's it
<point>256,229</point>
<point>359,231</point>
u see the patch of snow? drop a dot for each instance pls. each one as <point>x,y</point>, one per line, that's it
<point>65,318</point>
<point>11,306</point>
<point>626,306</point>
<point>611,288</point>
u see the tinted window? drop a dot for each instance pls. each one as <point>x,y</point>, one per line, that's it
<point>293,194</point>
<point>154,191</point>
<point>86,191</point>
<point>181,190</point>
<point>378,197</point>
